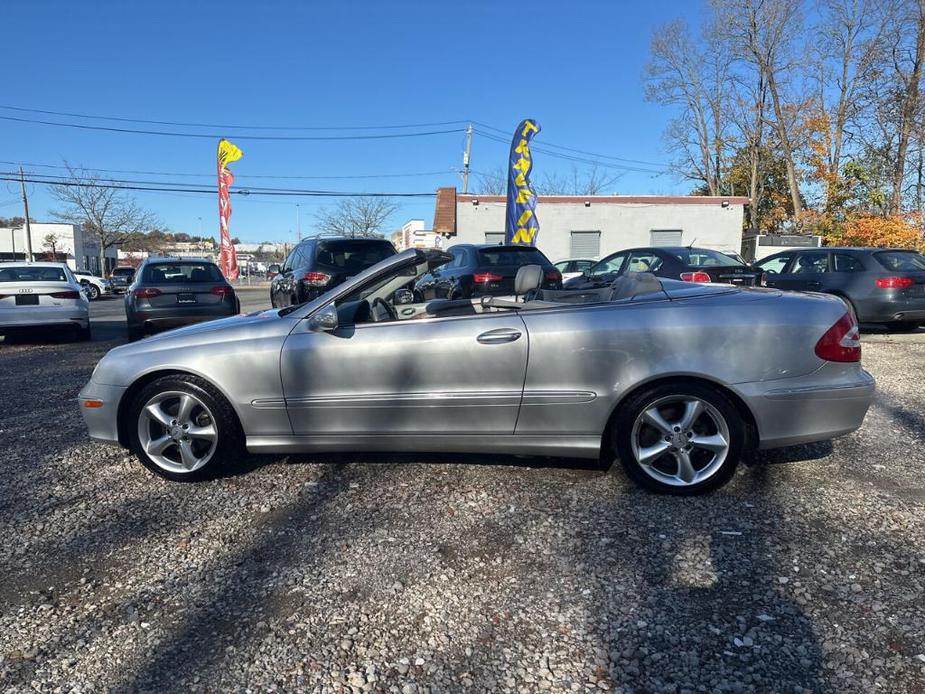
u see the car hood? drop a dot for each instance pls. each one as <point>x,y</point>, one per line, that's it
<point>212,331</point>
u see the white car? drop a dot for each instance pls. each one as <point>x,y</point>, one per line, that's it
<point>96,286</point>
<point>34,295</point>
<point>573,267</point>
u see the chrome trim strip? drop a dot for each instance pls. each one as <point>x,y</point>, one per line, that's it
<point>558,397</point>
<point>269,404</point>
<point>578,446</point>
<point>383,400</point>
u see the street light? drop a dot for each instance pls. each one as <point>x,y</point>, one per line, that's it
<point>298,221</point>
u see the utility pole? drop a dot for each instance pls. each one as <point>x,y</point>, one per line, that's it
<point>466,158</point>
<point>298,221</point>
<point>25,204</point>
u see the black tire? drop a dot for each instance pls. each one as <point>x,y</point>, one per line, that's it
<point>229,440</point>
<point>135,334</point>
<point>902,326</point>
<point>93,292</point>
<point>622,431</point>
<point>84,334</point>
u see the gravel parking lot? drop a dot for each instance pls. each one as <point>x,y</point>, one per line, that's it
<point>444,573</point>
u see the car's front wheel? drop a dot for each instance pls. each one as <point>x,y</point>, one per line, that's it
<point>902,326</point>
<point>679,439</point>
<point>182,429</point>
<point>93,292</point>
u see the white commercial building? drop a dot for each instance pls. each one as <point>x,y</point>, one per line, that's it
<point>576,226</point>
<point>63,242</point>
<point>414,234</point>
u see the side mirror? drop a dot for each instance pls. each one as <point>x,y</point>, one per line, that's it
<point>586,273</point>
<point>273,268</point>
<point>324,320</point>
<point>403,296</point>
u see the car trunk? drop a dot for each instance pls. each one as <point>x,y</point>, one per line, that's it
<point>37,295</point>
<point>191,294</point>
<point>732,274</point>
<point>500,264</point>
<point>342,260</point>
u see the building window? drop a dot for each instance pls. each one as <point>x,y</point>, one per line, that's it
<point>665,237</point>
<point>494,237</point>
<point>585,244</point>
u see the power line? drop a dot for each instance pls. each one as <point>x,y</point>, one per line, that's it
<point>233,127</point>
<point>213,136</point>
<point>186,188</point>
<point>569,157</point>
<point>572,149</point>
<point>238,177</point>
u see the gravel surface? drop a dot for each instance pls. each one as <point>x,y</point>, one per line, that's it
<point>365,573</point>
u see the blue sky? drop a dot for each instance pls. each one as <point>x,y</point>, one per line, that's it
<point>575,67</point>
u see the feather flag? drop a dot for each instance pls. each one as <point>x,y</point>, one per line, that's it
<point>227,153</point>
<point>522,225</point>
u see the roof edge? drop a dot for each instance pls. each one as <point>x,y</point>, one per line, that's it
<point>620,199</point>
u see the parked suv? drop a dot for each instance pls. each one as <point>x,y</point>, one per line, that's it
<point>673,262</point>
<point>318,264</point>
<point>121,278</point>
<point>483,270</point>
<point>93,285</point>
<point>170,292</point>
<point>882,285</point>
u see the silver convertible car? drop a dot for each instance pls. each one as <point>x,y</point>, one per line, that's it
<point>676,380</point>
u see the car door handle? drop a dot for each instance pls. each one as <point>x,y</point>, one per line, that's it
<point>494,337</point>
<point>814,285</point>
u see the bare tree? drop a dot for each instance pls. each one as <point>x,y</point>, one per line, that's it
<point>492,182</point>
<point>590,181</point>
<point>763,33</point>
<point>907,54</point>
<point>361,217</point>
<point>682,73</point>
<point>109,215</point>
<point>51,243</point>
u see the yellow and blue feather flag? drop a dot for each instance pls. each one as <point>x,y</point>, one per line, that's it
<point>522,225</point>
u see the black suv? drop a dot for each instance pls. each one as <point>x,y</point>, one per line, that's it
<point>318,264</point>
<point>483,270</point>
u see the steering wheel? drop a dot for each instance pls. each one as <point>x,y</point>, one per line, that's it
<point>389,311</point>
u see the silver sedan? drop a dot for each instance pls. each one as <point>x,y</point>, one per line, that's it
<point>676,380</point>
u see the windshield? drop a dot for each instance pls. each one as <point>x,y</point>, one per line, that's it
<point>511,257</point>
<point>32,274</point>
<point>353,256</point>
<point>901,261</point>
<point>703,257</point>
<point>123,272</point>
<point>185,273</point>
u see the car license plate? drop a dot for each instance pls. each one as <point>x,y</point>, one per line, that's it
<point>27,299</point>
<point>186,298</point>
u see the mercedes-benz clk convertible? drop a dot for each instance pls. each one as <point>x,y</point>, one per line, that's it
<point>676,380</point>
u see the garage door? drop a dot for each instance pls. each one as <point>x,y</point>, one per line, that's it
<point>585,244</point>
<point>665,237</point>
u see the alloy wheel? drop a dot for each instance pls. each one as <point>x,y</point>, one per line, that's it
<point>680,440</point>
<point>177,431</point>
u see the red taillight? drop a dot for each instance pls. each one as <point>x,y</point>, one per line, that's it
<point>895,282</point>
<point>695,277</point>
<point>481,277</point>
<point>146,293</point>
<point>553,276</point>
<point>65,295</point>
<point>316,279</point>
<point>222,291</point>
<point>841,342</point>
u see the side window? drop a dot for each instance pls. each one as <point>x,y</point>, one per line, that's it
<point>644,261</point>
<point>775,265</point>
<point>610,265</point>
<point>847,263</point>
<point>811,264</point>
<point>287,264</point>
<point>564,266</point>
<point>582,265</point>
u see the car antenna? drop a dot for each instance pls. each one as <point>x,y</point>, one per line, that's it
<point>691,244</point>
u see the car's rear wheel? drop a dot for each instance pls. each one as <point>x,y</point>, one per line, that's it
<point>679,439</point>
<point>182,429</point>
